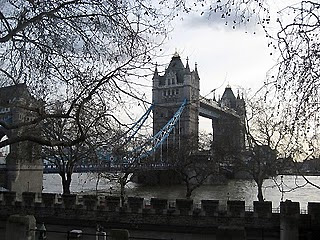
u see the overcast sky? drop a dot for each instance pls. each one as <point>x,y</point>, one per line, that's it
<point>223,55</point>
<point>239,57</point>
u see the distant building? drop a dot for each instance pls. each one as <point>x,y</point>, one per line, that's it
<point>23,162</point>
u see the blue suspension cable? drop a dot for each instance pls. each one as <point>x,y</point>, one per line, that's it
<point>153,144</point>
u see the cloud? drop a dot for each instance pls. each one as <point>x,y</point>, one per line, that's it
<point>199,21</point>
<point>243,58</point>
<point>231,21</point>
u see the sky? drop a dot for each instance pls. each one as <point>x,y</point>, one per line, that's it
<point>237,57</point>
<point>224,56</point>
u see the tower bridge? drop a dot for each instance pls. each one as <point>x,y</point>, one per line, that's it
<point>179,82</point>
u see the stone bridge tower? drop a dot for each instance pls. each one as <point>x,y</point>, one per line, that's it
<point>178,83</point>
<point>228,131</point>
<point>168,92</point>
<point>21,167</point>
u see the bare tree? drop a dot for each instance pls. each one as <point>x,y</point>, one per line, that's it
<point>84,53</point>
<point>296,76</point>
<point>66,159</point>
<point>99,133</point>
<point>128,157</point>
<point>270,141</point>
<point>193,166</point>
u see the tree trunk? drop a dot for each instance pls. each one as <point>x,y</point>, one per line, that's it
<point>260,194</point>
<point>123,182</point>
<point>188,194</point>
<point>122,193</point>
<point>97,183</point>
<point>66,181</point>
<point>189,190</point>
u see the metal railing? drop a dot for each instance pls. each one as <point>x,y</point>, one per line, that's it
<point>43,234</point>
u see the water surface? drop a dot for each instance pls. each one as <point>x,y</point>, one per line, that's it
<point>294,189</point>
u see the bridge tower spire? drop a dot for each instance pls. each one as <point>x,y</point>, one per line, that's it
<point>228,132</point>
<point>187,65</point>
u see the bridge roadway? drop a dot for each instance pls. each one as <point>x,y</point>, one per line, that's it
<point>210,109</point>
<point>107,167</point>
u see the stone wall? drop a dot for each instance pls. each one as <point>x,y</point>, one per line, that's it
<point>161,215</point>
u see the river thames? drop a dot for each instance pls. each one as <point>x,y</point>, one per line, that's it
<point>232,189</point>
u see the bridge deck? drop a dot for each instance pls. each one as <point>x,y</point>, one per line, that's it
<point>111,167</point>
<point>210,109</point>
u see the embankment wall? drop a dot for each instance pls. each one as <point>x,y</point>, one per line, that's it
<point>161,215</point>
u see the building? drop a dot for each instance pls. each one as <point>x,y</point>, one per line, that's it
<point>22,166</point>
<point>229,132</point>
<point>169,91</point>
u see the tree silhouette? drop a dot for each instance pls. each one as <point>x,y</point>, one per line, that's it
<point>270,142</point>
<point>193,166</point>
<point>86,54</point>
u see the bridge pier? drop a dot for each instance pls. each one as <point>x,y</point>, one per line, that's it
<point>24,178</point>
<point>157,177</point>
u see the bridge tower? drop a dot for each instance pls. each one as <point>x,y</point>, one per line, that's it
<point>229,131</point>
<point>168,92</point>
<point>21,167</point>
